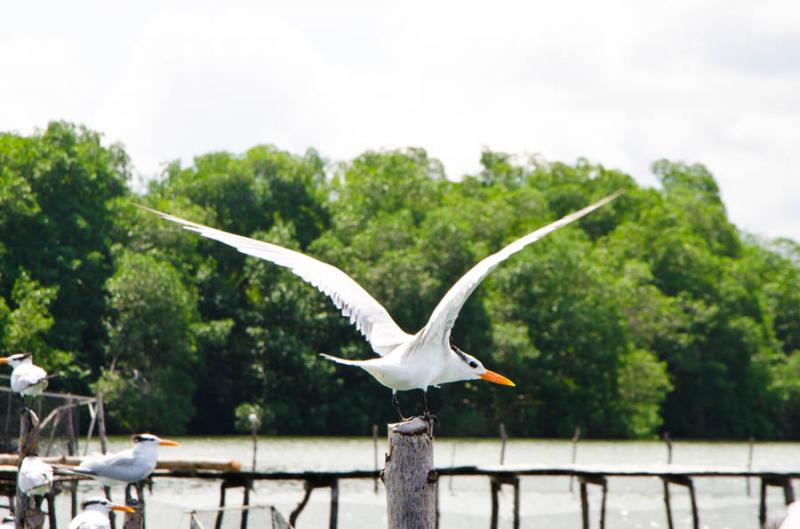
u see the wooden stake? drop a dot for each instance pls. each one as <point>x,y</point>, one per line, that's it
<point>409,475</point>
<point>503,441</point>
<point>375,454</point>
<point>28,515</point>
<point>575,437</point>
<point>750,462</point>
<point>134,520</point>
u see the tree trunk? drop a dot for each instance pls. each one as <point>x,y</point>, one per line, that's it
<point>410,477</point>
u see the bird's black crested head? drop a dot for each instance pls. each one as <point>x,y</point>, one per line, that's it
<point>144,438</point>
<point>464,357</point>
<point>95,500</point>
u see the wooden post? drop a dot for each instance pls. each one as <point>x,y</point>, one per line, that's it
<point>452,464</point>
<point>668,441</point>
<point>516,502</point>
<point>375,454</point>
<point>334,515</point>
<point>409,475</point>
<point>762,507</point>
<point>693,499</point>
<point>27,514</point>
<point>667,504</point>
<point>503,441</point>
<point>101,424</point>
<point>575,438</point>
<point>222,490</point>
<point>495,487</point>
<point>134,520</point>
<point>749,461</point>
<point>246,503</point>
<point>254,431</point>
<point>584,505</point>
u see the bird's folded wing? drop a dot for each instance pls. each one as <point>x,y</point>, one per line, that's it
<point>369,316</point>
<point>30,375</point>
<point>444,315</point>
<point>90,464</point>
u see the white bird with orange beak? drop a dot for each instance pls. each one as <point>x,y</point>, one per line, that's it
<point>407,361</point>
<point>27,379</point>
<point>128,466</point>
<point>94,514</point>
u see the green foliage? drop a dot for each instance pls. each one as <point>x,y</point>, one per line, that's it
<point>249,416</point>
<point>150,359</point>
<point>653,313</point>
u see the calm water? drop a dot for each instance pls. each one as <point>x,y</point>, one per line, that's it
<point>465,502</point>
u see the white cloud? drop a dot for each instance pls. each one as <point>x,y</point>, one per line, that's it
<point>622,83</point>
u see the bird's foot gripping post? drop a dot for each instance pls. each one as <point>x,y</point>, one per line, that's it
<point>409,475</point>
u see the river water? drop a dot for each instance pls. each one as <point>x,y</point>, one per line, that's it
<point>546,502</point>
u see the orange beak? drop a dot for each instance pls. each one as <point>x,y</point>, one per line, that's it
<point>497,378</point>
<point>167,442</point>
<point>3,360</point>
<point>123,508</point>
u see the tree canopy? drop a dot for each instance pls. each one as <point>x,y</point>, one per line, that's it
<point>655,312</point>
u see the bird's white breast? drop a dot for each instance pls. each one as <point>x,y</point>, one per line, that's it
<point>90,520</point>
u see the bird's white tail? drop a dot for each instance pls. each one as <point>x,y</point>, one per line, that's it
<point>342,360</point>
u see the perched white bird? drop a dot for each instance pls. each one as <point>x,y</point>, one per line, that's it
<point>27,379</point>
<point>35,477</point>
<point>94,514</point>
<point>407,361</point>
<point>7,522</point>
<point>128,466</point>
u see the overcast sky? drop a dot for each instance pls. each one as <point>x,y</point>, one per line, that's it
<point>622,83</point>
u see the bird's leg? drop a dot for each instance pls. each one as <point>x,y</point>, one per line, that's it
<point>396,406</point>
<point>427,412</point>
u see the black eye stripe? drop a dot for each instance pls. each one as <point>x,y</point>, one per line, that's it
<point>459,353</point>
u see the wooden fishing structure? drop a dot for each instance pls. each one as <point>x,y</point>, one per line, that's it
<point>230,476</point>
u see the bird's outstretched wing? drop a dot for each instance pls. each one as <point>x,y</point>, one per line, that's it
<point>369,316</point>
<point>444,315</point>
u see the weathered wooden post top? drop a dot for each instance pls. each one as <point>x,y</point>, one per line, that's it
<point>410,476</point>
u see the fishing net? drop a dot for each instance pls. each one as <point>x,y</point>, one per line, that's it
<point>63,419</point>
<point>258,517</point>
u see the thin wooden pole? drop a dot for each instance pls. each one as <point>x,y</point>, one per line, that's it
<point>409,475</point>
<point>452,464</point>
<point>27,514</point>
<point>246,502</point>
<point>575,437</point>
<point>693,500</point>
<point>668,441</point>
<point>503,441</point>
<point>762,507</point>
<point>584,505</point>
<point>51,510</point>
<point>667,504</point>
<point>254,431</point>
<point>92,425</point>
<point>603,504</point>
<point>788,491</point>
<point>222,490</point>
<point>749,461</point>
<point>375,454</point>
<point>101,423</point>
<point>495,487</point>
<point>334,515</point>
<point>516,502</point>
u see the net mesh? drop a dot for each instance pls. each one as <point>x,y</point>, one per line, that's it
<point>62,421</point>
<point>258,517</point>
